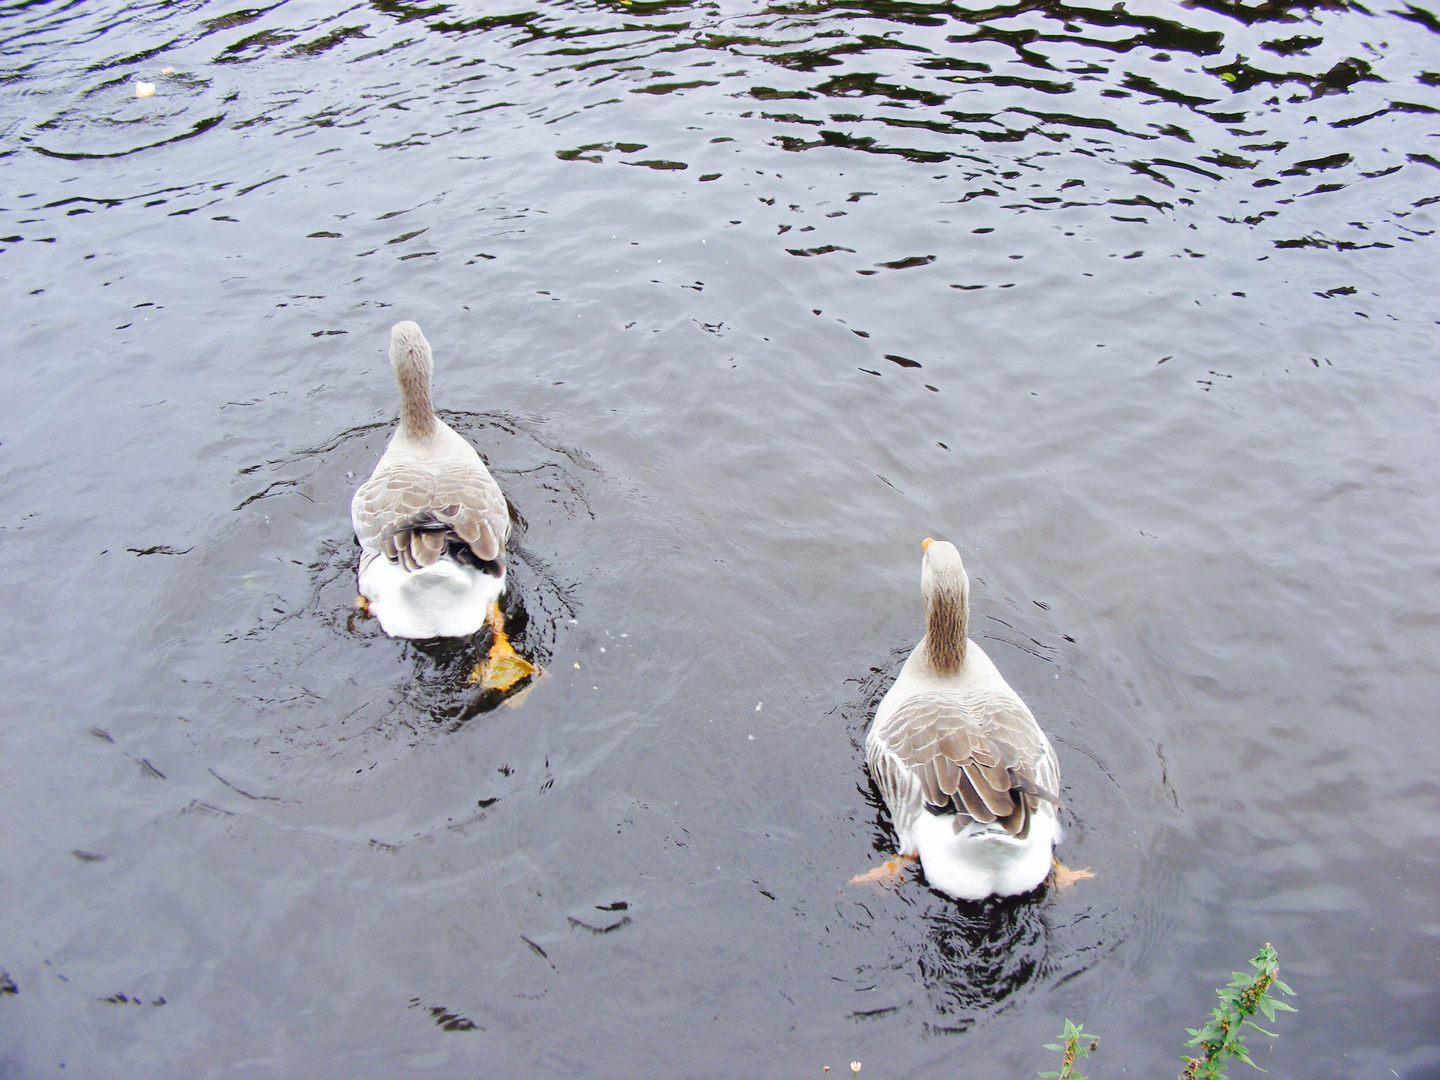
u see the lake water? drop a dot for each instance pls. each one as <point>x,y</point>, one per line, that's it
<point>1136,304</point>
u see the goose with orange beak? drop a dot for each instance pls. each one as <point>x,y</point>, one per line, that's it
<point>971,782</point>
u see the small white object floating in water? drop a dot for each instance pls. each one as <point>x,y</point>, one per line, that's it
<point>144,89</point>
<point>167,71</point>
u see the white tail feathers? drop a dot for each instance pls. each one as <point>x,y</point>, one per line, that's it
<point>441,600</point>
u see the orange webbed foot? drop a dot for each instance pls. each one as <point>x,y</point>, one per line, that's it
<point>888,874</point>
<point>1062,877</point>
<point>502,667</point>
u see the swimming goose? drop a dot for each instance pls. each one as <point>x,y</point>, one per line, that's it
<point>971,781</point>
<point>432,524</point>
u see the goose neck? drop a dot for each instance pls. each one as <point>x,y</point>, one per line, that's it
<point>417,415</point>
<point>946,618</point>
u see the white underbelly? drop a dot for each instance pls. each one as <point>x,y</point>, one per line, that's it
<point>443,600</point>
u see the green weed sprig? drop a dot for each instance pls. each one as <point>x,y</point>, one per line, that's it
<point>1220,1039</point>
<point>1078,1043</point>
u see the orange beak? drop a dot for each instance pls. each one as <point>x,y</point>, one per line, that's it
<point>925,544</point>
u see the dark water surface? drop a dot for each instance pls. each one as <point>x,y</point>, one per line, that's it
<point>1137,304</point>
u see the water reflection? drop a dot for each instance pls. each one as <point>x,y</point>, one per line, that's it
<point>971,958</point>
<point>977,955</point>
<point>1153,104</point>
<point>444,687</point>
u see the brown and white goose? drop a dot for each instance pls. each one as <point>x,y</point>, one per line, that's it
<point>431,520</point>
<point>971,781</point>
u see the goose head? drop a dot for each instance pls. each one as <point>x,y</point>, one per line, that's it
<point>411,358</point>
<point>946,588</point>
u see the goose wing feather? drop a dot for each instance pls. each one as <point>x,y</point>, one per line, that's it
<point>406,509</point>
<point>978,753</point>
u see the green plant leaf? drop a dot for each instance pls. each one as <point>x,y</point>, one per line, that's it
<point>1243,1056</point>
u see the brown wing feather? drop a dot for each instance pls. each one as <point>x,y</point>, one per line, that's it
<point>405,510</point>
<point>969,800</point>
<point>479,516</point>
<point>980,755</point>
<point>426,547</point>
<point>996,797</point>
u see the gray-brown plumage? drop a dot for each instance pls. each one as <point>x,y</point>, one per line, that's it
<point>978,756</point>
<point>413,511</point>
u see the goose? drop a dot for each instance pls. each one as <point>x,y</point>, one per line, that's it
<point>971,782</point>
<point>432,525</point>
